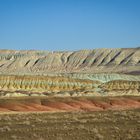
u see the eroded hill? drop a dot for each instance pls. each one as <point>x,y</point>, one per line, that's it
<point>85,61</point>
<point>99,72</point>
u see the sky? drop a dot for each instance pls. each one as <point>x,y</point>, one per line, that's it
<point>62,25</point>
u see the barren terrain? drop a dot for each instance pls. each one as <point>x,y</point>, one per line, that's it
<point>78,95</point>
<point>104,125</point>
<point>86,61</point>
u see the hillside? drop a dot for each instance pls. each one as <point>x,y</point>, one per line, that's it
<point>85,61</point>
<point>99,72</point>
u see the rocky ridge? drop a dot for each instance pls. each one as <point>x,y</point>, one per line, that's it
<point>84,61</point>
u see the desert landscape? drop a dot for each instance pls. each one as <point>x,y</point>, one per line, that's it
<point>87,94</point>
<point>69,69</point>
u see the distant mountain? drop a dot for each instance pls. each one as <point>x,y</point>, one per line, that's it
<point>125,60</point>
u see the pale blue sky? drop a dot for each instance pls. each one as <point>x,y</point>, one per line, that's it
<point>69,24</point>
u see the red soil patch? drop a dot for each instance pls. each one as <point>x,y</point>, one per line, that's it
<point>87,105</point>
<point>59,106</point>
<point>4,109</point>
<point>102,104</point>
<point>69,104</point>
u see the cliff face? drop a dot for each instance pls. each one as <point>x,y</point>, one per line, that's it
<point>84,61</point>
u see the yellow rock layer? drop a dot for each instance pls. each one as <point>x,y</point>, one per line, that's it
<point>44,83</point>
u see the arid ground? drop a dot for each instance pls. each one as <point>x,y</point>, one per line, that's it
<point>70,95</point>
<point>100,125</point>
<point>78,118</point>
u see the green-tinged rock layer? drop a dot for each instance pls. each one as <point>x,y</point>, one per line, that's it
<point>103,77</point>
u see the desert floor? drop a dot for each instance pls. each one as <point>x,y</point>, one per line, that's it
<point>98,125</point>
<point>107,124</point>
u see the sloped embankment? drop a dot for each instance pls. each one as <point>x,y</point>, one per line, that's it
<point>69,104</point>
